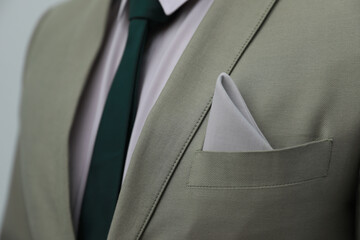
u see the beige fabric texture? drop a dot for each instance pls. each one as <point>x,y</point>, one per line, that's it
<point>297,65</point>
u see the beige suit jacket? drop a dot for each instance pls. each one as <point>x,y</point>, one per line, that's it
<point>297,63</point>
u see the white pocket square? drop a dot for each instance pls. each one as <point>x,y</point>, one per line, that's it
<point>231,127</point>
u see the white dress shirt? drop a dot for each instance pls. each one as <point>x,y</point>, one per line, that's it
<point>162,52</point>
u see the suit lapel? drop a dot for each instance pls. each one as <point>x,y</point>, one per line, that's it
<point>66,45</point>
<point>216,47</point>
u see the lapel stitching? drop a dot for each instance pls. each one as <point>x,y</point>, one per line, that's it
<point>202,117</point>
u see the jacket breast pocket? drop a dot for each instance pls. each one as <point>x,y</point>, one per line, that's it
<point>261,169</point>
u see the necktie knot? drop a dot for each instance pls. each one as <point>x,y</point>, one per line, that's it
<point>147,9</point>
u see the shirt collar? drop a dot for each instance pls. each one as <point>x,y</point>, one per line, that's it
<point>170,6</point>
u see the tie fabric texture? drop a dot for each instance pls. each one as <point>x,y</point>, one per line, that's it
<point>109,154</point>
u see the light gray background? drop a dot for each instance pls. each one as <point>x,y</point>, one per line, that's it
<point>18,19</point>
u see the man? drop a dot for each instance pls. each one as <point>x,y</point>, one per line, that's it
<point>191,173</point>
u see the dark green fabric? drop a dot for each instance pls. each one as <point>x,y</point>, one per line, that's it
<point>107,163</point>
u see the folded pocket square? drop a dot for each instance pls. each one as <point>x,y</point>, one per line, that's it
<point>231,127</point>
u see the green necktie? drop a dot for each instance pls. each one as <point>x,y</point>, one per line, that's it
<point>107,163</point>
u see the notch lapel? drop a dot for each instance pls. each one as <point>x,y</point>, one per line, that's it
<point>60,58</point>
<point>216,47</point>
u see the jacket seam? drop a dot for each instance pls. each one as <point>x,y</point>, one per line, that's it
<point>198,122</point>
